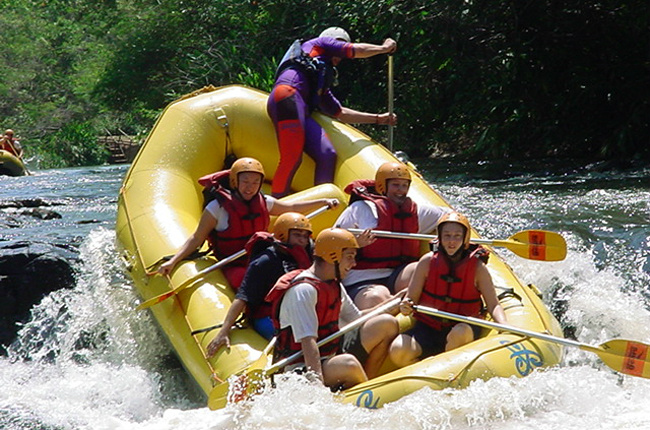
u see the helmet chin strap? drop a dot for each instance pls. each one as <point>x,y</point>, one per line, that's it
<point>337,272</point>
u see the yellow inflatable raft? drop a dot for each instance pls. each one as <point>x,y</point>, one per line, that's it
<point>10,165</point>
<point>160,204</point>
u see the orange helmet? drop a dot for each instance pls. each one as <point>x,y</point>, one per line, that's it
<point>9,131</point>
<point>457,218</point>
<point>245,164</point>
<point>331,242</point>
<point>290,221</point>
<point>390,170</point>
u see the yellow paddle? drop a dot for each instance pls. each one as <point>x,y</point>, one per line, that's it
<point>253,380</point>
<point>531,244</point>
<point>625,356</point>
<point>157,299</point>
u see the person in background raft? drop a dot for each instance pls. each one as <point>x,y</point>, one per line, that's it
<point>270,256</point>
<point>303,84</point>
<point>306,307</point>
<point>237,210</point>
<point>11,144</point>
<point>453,279</point>
<point>385,266</point>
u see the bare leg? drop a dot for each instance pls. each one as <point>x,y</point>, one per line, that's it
<point>404,350</point>
<point>377,334</point>
<point>372,296</point>
<point>459,335</point>
<point>404,277</point>
<point>343,370</point>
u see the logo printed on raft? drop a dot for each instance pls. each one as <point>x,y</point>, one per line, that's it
<point>365,400</point>
<point>525,360</point>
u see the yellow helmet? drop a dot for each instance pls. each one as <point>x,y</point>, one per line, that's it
<point>9,131</point>
<point>290,221</point>
<point>390,170</point>
<point>336,33</point>
<point>458,218</point>
<point>245,164</point>
<point>331,242</point>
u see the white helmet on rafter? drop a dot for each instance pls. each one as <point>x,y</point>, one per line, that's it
<point>336,33</point>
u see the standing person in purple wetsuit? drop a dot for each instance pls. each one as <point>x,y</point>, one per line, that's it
<point>303,84</point>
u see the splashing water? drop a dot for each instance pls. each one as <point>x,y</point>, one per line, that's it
<point>88,360</point>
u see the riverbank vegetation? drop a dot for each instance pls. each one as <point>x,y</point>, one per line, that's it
<point>487,79</point>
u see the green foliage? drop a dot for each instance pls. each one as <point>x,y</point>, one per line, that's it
<point>482,78</point>
<point>75,144</point>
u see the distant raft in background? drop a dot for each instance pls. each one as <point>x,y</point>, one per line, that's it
<point>160,204</point>
<point>10,165</point>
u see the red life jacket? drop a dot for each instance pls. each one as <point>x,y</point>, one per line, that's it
<point>290,257</point>
<point>244,218</point>
<point>263,239</point>
<point>387,252</point>
<point>328,309</point>
<point>9,144</point>
<point>451,288</point>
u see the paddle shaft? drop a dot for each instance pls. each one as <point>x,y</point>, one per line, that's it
<point>390,102</point>
<point>242,252</point>
<point>418,236</point>
<point>496,326</point>
<point>625,356</point>
<point>346,329</point>
<point>215,266</point>
<point>537,245</point>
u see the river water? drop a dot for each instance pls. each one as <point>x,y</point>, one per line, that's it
<point>88,360</point>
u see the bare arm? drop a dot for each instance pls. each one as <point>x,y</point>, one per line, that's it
<point>281,207</point>
<point>484,284</point>
<point>222,338</point>
<point>351,116</point>
<point>206,225</point>
<point>416,285</point>
<point>366,50</point>
<point>312,355</point>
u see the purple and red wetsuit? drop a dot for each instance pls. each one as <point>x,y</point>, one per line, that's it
<point>295,95</point>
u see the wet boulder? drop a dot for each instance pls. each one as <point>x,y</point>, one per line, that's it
<point>28,272</point>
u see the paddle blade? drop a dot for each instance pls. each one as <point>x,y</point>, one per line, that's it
<point>155,300</point>
<point>626,356</point>
<point>236,389</point>
<point>538,245</point>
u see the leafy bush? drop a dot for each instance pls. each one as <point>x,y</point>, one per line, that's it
<point>485,78</point>
<point>73,145</point>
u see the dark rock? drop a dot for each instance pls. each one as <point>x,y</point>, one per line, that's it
<point>28,272</point>
<point>41,213</point>
<point>89,221</point>
<point>28,203</point>
<point>9,222</point>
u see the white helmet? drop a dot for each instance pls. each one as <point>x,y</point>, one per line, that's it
<point>336,33</point>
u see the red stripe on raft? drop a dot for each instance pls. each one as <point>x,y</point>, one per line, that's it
<point>536,237</point>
